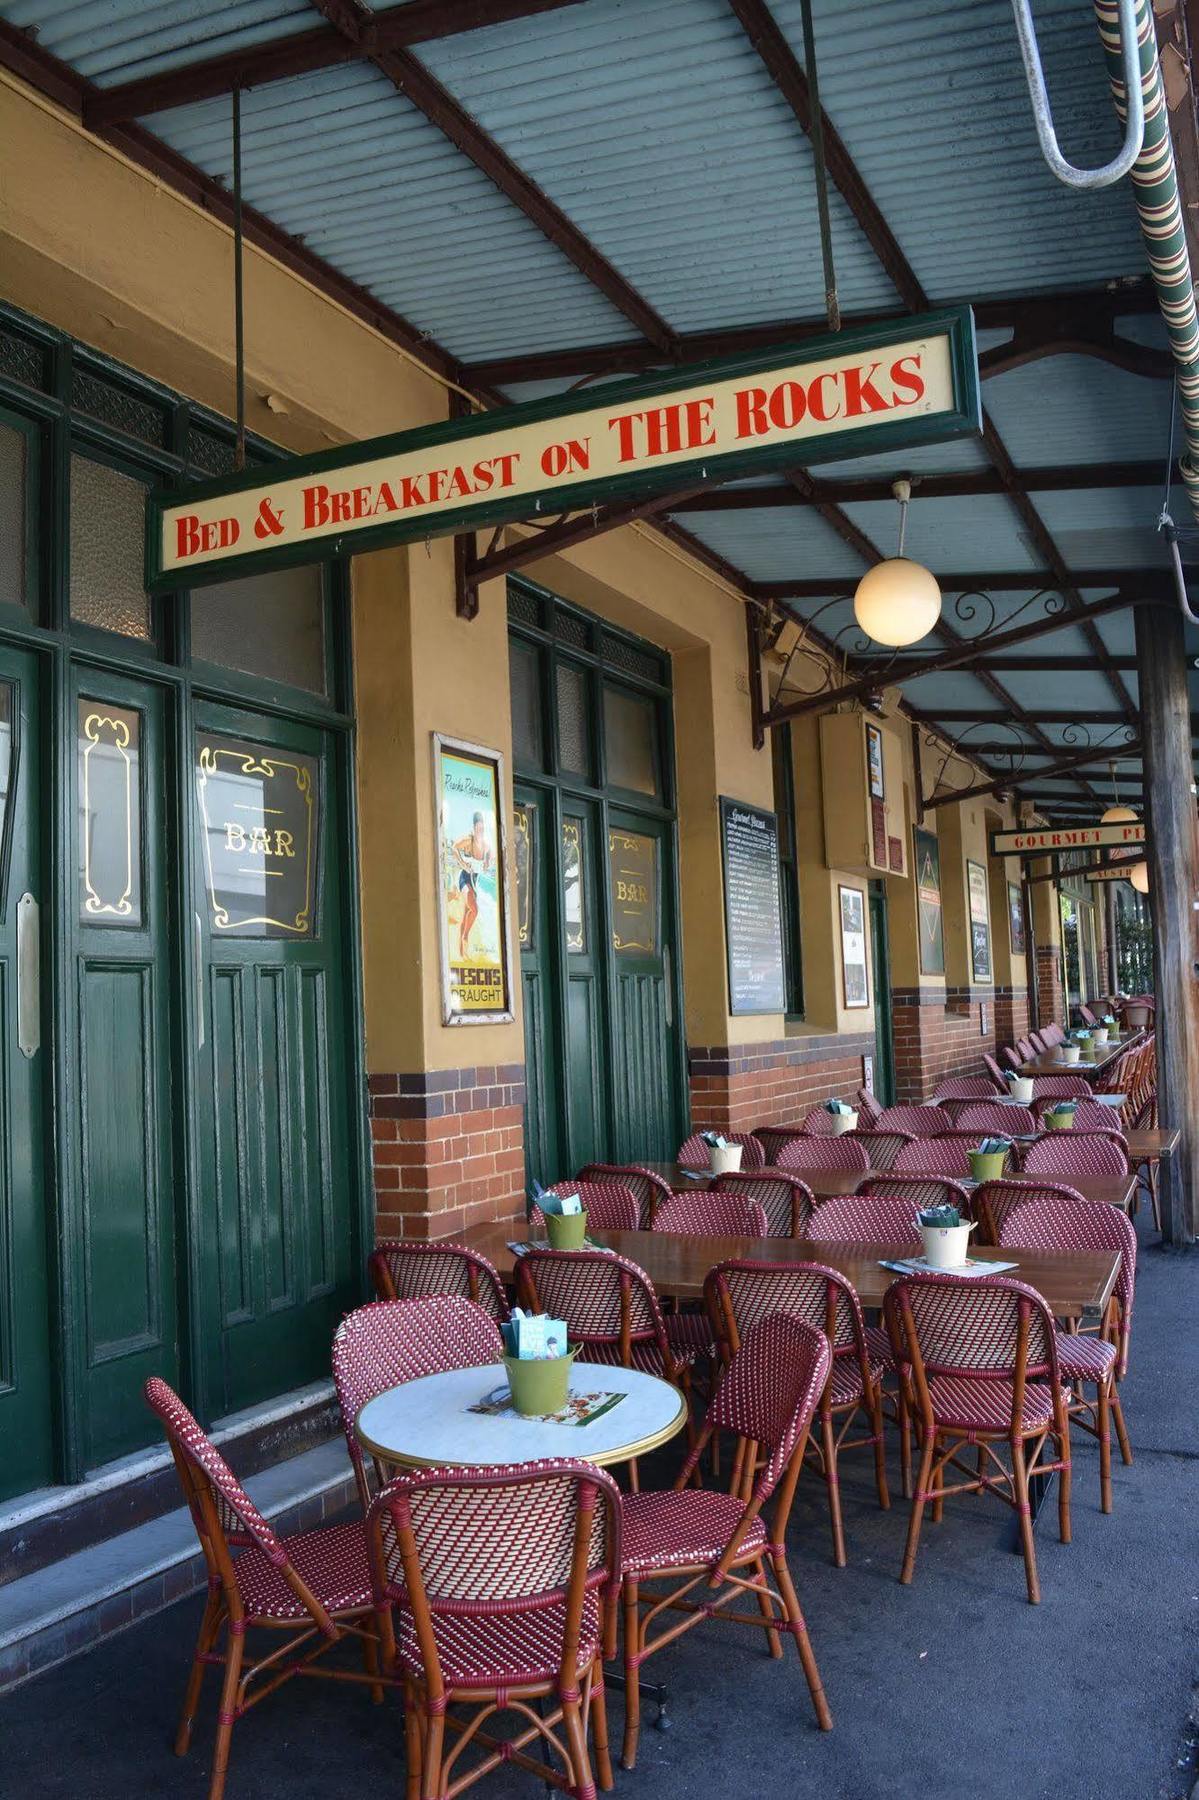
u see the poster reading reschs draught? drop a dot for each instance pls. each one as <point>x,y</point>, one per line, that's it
<point>468,784</point>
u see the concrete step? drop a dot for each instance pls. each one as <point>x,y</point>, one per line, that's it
<point>71,1605</point>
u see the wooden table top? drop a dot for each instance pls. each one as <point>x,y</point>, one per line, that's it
<point>826,1184</point>
<point>1152,1142</point>
<point>1052,1064</point>
<point>1075,1284</point>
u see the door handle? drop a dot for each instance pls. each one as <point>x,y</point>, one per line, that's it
<point>199,981</point>
<point>29,976</point>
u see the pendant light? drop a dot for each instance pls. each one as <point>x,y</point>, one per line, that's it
<point>1138,875</point>
<point>1117,814</point>
<point>898,600</point>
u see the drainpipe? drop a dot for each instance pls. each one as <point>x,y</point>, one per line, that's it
<point>1155,188</point>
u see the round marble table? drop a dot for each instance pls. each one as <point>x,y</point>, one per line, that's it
<point>425,1423</point>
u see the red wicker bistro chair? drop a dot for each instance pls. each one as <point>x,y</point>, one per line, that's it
<point>403,1269</point>
<point>388,1342</point>
<point>1088,1115</point>
<point>1038,1042</point>
<point>784,1198</point>
<point>916,1192</point>
<point>978,1361</point>
<point>738,1294</point>
<point>1025,1047</point>
<point>996,1073</point>
<point>648,1188</point>
<point>1059,1087</point>
<point>818,1122</point>
<point>1011,1055</point>
<point>1052,1034</point>
<point>1087,1014</point>
<point>943,1155</point>
<point>712,1213</point>
<point>612,1314</point>
<point>504,1585</point>
<point>693,1152</point>
<point>869,1110</point>
<point>994,1200</point>
<point>1147,1120</point>
<point>610,1205</point>
<point>714,1548</point>
<point>881,1147</point>
<point>773,1137</point>
<point>311,1590</point>
<point>966,1087</point>
<point>917,1121</point>
<point>1060,1219</point>
<point>996,1121</point>
<point>1075,1153</point>
<point>836,1154</point>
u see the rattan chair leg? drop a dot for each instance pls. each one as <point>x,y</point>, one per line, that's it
<point>599,1729</point>
<point>766,1609</point>
<point>634,1476</point>
<point>1024,1514</point>
<point>210,1625</point>
<point>1103,1422</point>
<point>919,1501</point>
<point>583,1783</point>
<point>234,1650</point>
<point>807,1656</point>
<point>412,1742</point>
<point>432,1787</point>
<point>905,1443</point>
<point>1121,1428</point>
<point>828,1439</point>
<point>632,1691</point>
<point>1065,1478</point>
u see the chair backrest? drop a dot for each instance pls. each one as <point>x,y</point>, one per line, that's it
<point>995,1072</point>
<point>1059,1087</point>
<point>869,1110</point>
<point>994,1201</point>
<point>865,1219</point>
<point>956,1325</point>
<point>881,1147</point>
<point>995,1120</point>
<point>1087,1014</point>
<point>917,1121</point>
<point>767,1395</point>
<point>508,1541</point>
<point>944,1155</point>
<point>1056,1219</point>
<point>966,1087</point>
<point>818,1122</point>
<point>1024,1046</point>
<point>223,1513</point>
<point>1052,1034</point>
<point>836,1154</point>
<point>785,1199</point>
<point>1075,1153</point>
<point>404,1268</point>
<point>388,1342</point>
<point>1038,1042</point>
<point>919,1191</point>
<point>693,1152</point>
<point>608,1303</point>
<point>772,1137</point>
<point>609,1204</point>
<point>738,1294</point>
<point>645,1185</point>
<point>701,1212</point>
<point>1088,1115</point>
<point>1012,1056</point>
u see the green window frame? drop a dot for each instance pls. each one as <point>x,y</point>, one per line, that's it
<point>783,769</point>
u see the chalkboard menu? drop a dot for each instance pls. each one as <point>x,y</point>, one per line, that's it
<point>749,839</point>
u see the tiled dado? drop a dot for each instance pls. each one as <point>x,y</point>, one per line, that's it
<point>447,1148</point>
<point>739,1086</point>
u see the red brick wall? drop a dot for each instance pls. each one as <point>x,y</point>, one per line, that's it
<point>447,1149</point>
<point>1051,1000</point>
<point>939,1035</point>
<point>1011,1014</point>
<point>739,1086</point>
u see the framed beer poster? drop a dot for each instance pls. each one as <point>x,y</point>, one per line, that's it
<point>928,902</point>
<point>1015,912</point>
<point>472,882</point>
<point>980,922</point>
<point>855,977</point>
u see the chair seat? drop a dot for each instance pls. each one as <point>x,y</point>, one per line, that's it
<point>845,1383</point>
<point>1083,1356</point>
<point>878,1348</point>
<point>689,1335</point>
<point>643,1355</point>
<point>332,1562</point>
<point>671,1531</point>
<point>499,1650</point>
<point>970,1403</point>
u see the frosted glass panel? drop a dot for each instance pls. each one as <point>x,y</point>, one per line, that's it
<point>13,547</point>
<point>268,625</point>
<point>629,741</point>
<point>572,721</point>
<point>108,549</point>
<point>523,675</point>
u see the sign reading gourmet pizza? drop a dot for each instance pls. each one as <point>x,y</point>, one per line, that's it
<point>1053,840</point>
<point>879,388</point>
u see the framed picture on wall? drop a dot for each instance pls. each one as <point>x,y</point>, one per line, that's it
<point>980,922</point>
<point>855,971</point>
<point>1015,913</point>
<point>928,902</point>
<point>472,883</point>
<point>874,762</point>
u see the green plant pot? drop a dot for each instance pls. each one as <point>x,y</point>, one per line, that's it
<point>539,1387</point>
<point>1057,1121</point>
<point>987,1165</point>
<point>566,1231</point>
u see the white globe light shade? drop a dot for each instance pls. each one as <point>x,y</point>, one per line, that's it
<point>1118,815</point>
<point>897,602</point>
<point>1138,875</point>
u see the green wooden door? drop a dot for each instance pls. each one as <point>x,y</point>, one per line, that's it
<point>884,1037</point>
<point>537,942</point>
<point>646,1041</point>
<point>25,1383</point>
<point>586,1064</point>
<point>272,1064</point>
<point>119,1159</point>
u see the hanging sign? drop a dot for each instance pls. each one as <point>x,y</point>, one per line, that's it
<point>882,387</point>
<point>1076,837</point>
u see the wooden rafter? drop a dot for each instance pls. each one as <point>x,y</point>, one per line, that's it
<point>1057,478</point>
<point>1140,584</point>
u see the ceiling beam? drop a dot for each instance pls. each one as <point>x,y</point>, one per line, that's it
<point>1069,340</point>
<point>1044,665</point>
<point>439,106</point>
<point>1135,584</point>
<point>1057,478</point>
<point>354,39</point>
<point>1078,759</point>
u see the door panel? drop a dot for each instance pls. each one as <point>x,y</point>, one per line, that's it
<point>645,1042</point>
<point>272,1119</point>
<point>586,1050</point>
<point>26,1403</point>
<point>537,943</point>
<point>121,1073</point>
<point>884,1041</point>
